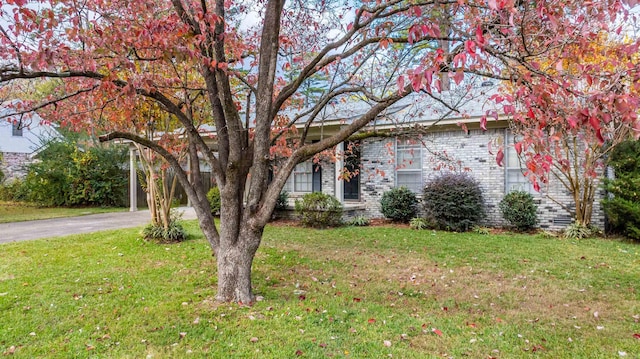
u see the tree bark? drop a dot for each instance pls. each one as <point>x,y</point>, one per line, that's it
<point>234,259</point>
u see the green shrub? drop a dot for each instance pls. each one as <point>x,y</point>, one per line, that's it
<point>173,233</point>
<point>623,207</point>
<point>13,190</point>
<point>454,202</point>
<point>399,204</point>
<point>359,221</point>
<point>67,176</point>
<point>282,201</point>
<point>519,210</point>
<point>319,210</point>
<point>578,231</point>
<point>214,200</point>
<point>419,223</point>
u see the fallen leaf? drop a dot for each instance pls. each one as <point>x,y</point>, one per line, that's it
<point>322,345</point>
<point>371,321</point>
<point>637,336</point>
<point>183,334</point>
<point>253,339</point>
<point>437,331</point>
<point>299,352</point>
<point>357,300</point>
<point>387,343</point>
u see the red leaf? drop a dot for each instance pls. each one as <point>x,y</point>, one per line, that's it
<point>483,123</point>
<point>518,147</point>
<point>357,300</point>
<point>299,352</point>
<point>500,157</point>
<point>401,83</point>
<point>637,336</point>
<point>438,332</point>
<point>371,321</point>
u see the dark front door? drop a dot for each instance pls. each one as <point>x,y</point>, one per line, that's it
<point>316,178</point>
<point>352,165</point>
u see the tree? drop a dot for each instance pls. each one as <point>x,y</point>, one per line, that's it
<point>567,125</point>
<point>209,63</point>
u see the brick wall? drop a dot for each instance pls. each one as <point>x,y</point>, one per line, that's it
<point>14,165</point>
<point>472,152</point>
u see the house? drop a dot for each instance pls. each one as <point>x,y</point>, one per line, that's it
<point>451,141</point>
<point>20,140</point>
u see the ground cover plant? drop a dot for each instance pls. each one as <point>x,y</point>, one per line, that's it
<point>20,211</point>
<point>351,292</point>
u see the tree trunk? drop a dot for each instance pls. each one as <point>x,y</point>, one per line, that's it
<point>234,259</point>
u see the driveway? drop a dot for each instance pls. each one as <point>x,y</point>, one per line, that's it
<point>47,228</point>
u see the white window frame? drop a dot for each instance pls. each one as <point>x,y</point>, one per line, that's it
<point>16,129</point>
<point>408,160</point>
<point>295,183</point>
<point>511,170</point>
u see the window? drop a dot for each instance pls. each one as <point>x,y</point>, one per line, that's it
<point>514,177</point>
<point>409,164</point>
<point>16,128</point>
<point>301,180</point>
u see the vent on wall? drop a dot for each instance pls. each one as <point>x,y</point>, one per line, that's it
<point>563,220</point>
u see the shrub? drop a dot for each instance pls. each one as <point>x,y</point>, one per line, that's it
<point>519,210</point>
<point>67,176</point>
<point>577,231</point>
<point>454,201</point>
<point>214,200</point>
<point>282,201</point>
<point>399,204</point>
<point>359,221</point>
<point>13,190</point>
<point>419,223</point>
<point>173,233</point>
<point>623,207</point>
<point>319,210</point>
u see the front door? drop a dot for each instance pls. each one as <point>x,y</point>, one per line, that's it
<point>352,165</point>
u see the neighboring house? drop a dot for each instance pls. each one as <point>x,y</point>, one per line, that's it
<point>388,162</point>
<point>20,141</point>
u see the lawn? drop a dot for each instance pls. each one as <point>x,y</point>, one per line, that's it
<point>373,292</point>
<point>19,212</point>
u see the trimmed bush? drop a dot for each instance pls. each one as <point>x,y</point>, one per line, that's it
<point>214,200</point>
<point>399,204</point>
<point>319,210</point>
<point>519,210</point>
<point>453,201</point>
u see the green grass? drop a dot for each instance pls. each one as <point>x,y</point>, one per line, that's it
<point>19,212</point>
<point>348,293</point>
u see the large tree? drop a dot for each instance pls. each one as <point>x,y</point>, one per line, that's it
<point>243,68</point>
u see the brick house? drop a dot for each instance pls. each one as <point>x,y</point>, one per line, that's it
<point>20,141</point>
<point>411,160</point>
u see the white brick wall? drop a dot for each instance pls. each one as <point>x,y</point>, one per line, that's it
<point>473,153</point>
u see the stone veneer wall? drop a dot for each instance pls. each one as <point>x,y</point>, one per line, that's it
<point>378,175</point>
<point>14,165</point>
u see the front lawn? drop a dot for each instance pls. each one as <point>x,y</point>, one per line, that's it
<point>19,212</point>
<point>373,292</point>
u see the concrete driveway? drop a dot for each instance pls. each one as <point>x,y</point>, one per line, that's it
<point>47,228</point>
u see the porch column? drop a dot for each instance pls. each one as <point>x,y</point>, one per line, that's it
<point>339,188</point>
<point>133,185</point>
